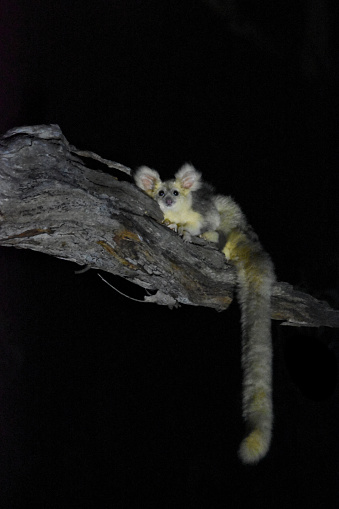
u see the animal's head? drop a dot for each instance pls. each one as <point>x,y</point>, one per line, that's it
<point>170,194</point>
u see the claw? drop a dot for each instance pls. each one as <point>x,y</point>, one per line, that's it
<point>173,227</point>
<point>186,237</point>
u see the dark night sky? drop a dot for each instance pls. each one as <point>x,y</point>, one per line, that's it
<point>115,404</point>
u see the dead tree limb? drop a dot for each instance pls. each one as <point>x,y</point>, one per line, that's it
<point>50,201</point>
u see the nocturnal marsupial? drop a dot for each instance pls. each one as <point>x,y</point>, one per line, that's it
<point>191,207</point>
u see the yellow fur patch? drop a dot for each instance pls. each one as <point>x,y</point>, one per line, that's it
<point>239,249</point>
<point>254,442</point>
<point>259,400</point>
<point>211,236</point>
<point>254,447</point>
<point>184,217</point>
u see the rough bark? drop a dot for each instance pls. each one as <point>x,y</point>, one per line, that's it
<point>50,201</point>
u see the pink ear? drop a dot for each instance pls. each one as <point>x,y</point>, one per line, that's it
<point>146,178</point>
<point>147,181</point>
<point>189,177</point>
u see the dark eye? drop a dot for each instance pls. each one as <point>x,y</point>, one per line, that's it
<point>176,193</point>
<point>161,193</point>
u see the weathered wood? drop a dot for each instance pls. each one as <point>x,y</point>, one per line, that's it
<point>50,201</point>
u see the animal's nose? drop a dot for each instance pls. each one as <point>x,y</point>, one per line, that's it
<point>169,201</point>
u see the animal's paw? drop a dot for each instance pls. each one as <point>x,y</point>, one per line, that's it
<point>172,226</point>
<point>211,236</point>
<point>186,237</point>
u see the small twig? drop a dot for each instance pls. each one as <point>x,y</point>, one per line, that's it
<point>81,271</point>
<point>121,293</point>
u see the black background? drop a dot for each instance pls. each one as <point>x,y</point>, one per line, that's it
<point>109,403</point>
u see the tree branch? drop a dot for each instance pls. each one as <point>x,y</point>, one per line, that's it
<point>51,202</point>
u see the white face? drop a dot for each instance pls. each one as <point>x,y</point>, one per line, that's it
<point>168,196</point>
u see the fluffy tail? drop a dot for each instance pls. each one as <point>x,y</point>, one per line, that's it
<point>255,280</point>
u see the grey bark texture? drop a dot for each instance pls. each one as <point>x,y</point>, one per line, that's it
<point>50,201</point>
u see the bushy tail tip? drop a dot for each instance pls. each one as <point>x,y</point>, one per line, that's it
<point>254,447</point>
